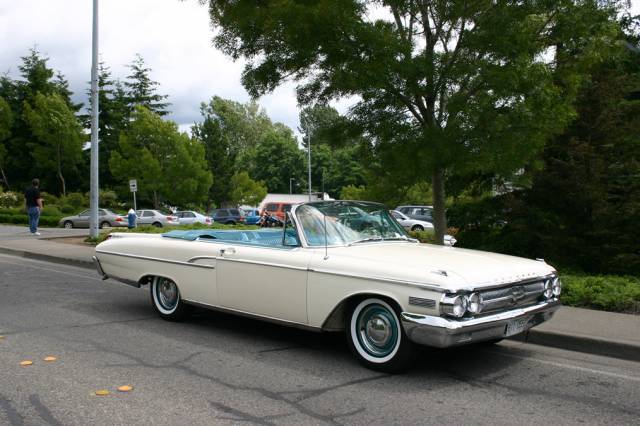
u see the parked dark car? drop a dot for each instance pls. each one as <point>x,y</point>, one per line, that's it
<point>228,216</point>
<point>252,216</point>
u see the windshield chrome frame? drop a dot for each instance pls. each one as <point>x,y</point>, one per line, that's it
<point>303,238</point>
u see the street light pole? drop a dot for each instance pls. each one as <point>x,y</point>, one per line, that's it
<point>291,185</point>
<point>93,220</point>
<point>309,159</point>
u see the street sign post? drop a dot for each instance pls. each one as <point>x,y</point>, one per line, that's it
<point>133,187</point>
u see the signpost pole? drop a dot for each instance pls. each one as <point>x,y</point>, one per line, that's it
<point>133,187</point>
<point>93,218</point>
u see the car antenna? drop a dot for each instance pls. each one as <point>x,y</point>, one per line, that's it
<point>326,253</point>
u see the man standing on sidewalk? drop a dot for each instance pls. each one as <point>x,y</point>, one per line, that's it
<point>34,206</point>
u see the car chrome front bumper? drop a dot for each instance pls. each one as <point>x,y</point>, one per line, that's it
<point>443,332</point>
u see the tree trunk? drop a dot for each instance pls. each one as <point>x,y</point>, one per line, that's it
<point>439,213</point>
<point>62,182</point>
<point>4,179</point>
<point>156,205</point>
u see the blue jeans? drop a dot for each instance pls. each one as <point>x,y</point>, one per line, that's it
<point>34,218</point>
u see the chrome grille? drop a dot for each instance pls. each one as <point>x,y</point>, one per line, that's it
<point>512,296</point>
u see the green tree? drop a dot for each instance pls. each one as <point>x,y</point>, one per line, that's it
<point>246,191</point>
<point>169,166</point>
<point>230,132</point>
<point>141,90</point>
<point>464,86</point>
<point>60,139</point>
<point>6,119</point>
<point>37,77</point>
<point>276,159</point>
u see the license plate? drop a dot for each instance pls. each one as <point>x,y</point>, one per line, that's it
<point>517,325</point>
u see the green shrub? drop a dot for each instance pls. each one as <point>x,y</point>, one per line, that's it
<point>108,199</point>
<point>23,219</point>
<point>10,199</point>
<point>49,199</point>
<point>76,200</point>
<point>605,292</point>
<point>67,209</point>
<point>51,211</point>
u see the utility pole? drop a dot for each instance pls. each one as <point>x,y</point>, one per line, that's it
<point>93,219</point>
<point>309,159</point>
<point>291,185</point>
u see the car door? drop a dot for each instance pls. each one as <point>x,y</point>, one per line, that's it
<point>83,220</point>
<point>266,281</point>
<point>187,218</point>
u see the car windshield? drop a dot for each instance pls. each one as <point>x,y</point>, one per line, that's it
<point>347,223</point>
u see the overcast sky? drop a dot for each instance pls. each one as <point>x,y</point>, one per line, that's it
<point>174,37</point>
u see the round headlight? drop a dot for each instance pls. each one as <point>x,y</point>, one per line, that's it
<point>475,303</point>
<point>460,304</point>
<point>556,287</point>
<point>548,289</point>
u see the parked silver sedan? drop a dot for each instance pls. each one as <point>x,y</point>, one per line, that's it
<point>411,224</point>
<point>156,218</point>
<point>105,218</point>
<point>189,216</point>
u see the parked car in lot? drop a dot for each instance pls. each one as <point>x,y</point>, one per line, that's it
<point>228,216</point>
<point>156,218</point>
<point>278,209</point>
<point>252,216</point>
<point>424,213</point>
<point>106,218</point>
<point>186,217</point>
<point>410,224</point>
<point>386,291</point>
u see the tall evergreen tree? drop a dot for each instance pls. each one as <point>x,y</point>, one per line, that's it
<point>6,120</point>
<point>142,90</point>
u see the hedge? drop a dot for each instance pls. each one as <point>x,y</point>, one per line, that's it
<point>23,219</point>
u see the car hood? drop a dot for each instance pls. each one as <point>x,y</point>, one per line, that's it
<point>448,267</point>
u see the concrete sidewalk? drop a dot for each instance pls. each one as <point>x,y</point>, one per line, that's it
<point>583,330</point>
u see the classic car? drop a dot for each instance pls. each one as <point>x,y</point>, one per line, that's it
<point>329,270</point>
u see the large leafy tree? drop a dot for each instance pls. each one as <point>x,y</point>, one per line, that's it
<point>246,191</point>
<point>142,90</point>
<point>36,78</point>
<point>170,167</point>
<point>230,132</point>
<point>463,86</point>
<point>59,135</point>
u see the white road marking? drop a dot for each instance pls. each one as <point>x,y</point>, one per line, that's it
<point>571,367</point>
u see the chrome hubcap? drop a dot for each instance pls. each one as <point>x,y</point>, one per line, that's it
<point>377,330</point>
<point>167,293</point>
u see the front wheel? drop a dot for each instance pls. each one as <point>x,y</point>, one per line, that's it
<point>417,228</point>
<point>165,297</point>
<point>68,224</point>
<point>376,337</point>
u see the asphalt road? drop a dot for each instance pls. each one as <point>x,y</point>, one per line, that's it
<point>221,369</point>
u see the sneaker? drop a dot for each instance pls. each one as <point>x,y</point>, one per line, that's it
<point>35,233</point>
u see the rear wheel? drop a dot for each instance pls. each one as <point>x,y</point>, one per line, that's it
<point>157,224</point>
<point>230,222</point>
<point>104,224</point>
<point>68,224</point>
<point>165,297</point>
<point>376,337</point>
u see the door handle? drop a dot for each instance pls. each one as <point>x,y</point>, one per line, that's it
<point>227,250</point>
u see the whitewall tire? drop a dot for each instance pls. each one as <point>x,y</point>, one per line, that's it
<point>376,337</point>
<point>165,298</point>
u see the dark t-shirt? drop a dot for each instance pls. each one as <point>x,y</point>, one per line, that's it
<point>31,195</point>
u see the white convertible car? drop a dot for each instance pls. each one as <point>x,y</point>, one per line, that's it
<point>340,265</point>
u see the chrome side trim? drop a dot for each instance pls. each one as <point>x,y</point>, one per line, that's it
<point>156,259</point>
<point>194,258</point>
<point>254,316</point>
<point>99,267</point>
<point>382,279</point>
<point>257,262</point>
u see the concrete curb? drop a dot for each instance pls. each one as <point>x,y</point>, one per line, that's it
<point>48,258</point>
<point>590,345</point>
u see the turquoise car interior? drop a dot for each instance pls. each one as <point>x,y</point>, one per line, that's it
<point>266,237</point>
